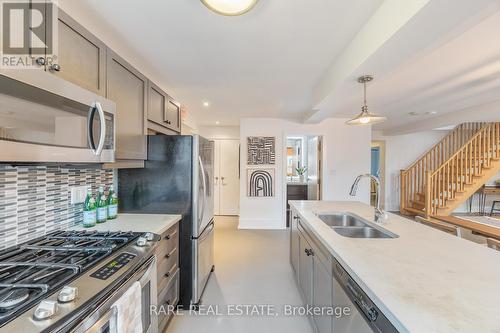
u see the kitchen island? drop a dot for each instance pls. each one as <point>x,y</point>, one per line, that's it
<point>424,280</point>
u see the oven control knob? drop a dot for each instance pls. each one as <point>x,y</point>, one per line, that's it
<point>45,310</point>
<point>141,241</point>
<point>67,294</point>
<point>149,236</point>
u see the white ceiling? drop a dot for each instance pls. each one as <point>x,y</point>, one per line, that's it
<point>289,58</point>
<point>262,64</point>
<point>462,73</point>
<point>441,62</point>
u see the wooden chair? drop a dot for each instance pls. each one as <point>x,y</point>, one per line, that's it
<point>493,209</point>
<point>448,228</point>
<point>493,243</point>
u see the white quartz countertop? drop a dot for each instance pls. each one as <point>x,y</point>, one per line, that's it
<point>425,280</point>
<point>155,223</point>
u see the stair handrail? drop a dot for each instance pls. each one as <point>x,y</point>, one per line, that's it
<point>458,128</point>
<point>490,133</point>
<point>464,146</point>
<point>413,178</point>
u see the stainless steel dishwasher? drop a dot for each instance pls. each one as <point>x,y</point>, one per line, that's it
<point>365,316</point>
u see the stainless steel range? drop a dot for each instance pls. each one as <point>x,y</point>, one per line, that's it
<point>68,281</point>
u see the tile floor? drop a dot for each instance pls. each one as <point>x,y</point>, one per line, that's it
<point>252,268</point>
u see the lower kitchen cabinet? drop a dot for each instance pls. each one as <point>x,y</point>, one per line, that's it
<point>294,192</point>
<point>305,269</point>
<point>294,242</point>
<point>322,293</point>
<point>315,273</point>
<point>168,275</point>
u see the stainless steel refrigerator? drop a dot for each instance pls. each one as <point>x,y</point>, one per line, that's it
<point>178,179</point>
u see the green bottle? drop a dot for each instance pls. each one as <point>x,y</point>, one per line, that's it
<point>102,206</point>
<point>89,210</point>
<point>112,204</point>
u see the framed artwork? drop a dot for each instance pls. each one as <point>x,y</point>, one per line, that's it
<point>261,150</point>
<point>260,182</point>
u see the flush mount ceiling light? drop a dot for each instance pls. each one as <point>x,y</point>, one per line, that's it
<point>365,117</point>
<point>230,7</point>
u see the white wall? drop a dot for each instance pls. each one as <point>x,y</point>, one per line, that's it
<point>346,154</point>
<point>220,132</point>
<point>400,152</point>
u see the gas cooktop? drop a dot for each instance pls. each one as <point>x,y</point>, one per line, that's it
<point>31,271</point>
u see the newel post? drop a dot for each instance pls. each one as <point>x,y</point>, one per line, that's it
<point>402,190</point>
<point>428,194</point>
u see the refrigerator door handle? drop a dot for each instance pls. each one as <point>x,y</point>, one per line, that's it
<point>203,177</point>
<point>206,232</point>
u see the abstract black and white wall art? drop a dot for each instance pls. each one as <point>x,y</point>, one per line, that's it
<point>260,182</point>
<point>261,150</point>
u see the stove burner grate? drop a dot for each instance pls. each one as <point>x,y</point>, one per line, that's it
<point>12,298</point>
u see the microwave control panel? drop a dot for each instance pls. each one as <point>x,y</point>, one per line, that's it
<point>113,266</point>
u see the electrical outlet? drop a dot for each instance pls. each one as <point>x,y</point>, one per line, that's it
<point>78,194</point>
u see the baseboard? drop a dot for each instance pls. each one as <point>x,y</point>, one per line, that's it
<point>261,224</point>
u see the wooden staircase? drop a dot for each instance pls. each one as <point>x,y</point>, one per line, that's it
<point>451,171</point>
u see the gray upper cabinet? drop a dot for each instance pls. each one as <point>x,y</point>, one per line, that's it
<point>128,89</point>
<point>163,112</point>
<point>157,108</point>
<point>81,56</point>
<point>173,116</point>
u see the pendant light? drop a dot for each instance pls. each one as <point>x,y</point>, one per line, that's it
<point>365,117</point>
<point>230,7</point>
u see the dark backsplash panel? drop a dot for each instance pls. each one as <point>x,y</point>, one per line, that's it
<point>35,200</point>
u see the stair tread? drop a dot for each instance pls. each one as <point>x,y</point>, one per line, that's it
<point>415,210</point>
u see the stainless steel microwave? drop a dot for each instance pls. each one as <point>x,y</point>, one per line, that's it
<point>44,118</point>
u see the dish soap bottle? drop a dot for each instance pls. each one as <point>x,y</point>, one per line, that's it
<point>89,210</point>
<point>102,206</point>
<point>112,204</point>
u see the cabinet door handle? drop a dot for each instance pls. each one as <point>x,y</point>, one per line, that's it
<point>168,255</point>
<point>55,67</point>
<point>296,217</point>
<point>309,252</point>
<point>167,274</point>
<point>40,61</point>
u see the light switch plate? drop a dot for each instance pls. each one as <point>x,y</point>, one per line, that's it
<point>78,194</point>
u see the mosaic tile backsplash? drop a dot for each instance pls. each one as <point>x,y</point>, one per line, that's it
<point>36,200</point>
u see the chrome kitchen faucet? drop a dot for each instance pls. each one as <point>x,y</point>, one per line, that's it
<point>380,215</point>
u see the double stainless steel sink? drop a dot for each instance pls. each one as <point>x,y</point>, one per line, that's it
<point>352,226</point>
